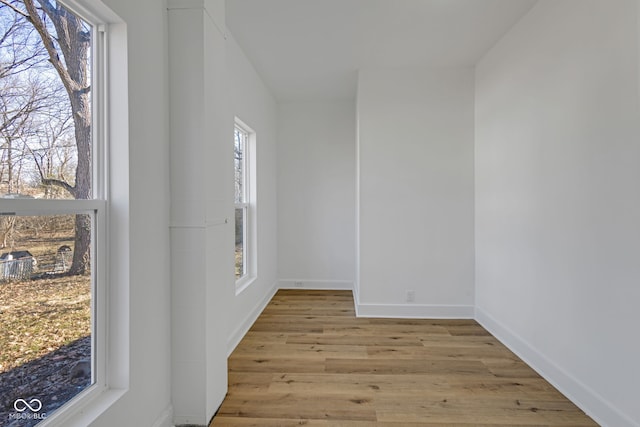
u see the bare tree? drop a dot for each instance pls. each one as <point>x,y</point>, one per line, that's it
<point>7,225</point>
<point>20,53</point>
<point>21,100</point>
<point>62,32</point>
<point>52,146</point>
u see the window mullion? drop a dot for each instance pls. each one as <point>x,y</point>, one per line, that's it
<point>48,206</point>
<point>99,108</point>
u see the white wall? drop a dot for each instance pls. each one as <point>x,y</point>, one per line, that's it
<point>252,103</point>
<point>557,200</point>
<point>179,331</point>
<point>415,154</point>
<point>201,227</point>
<point>209,315</point>
<point>147,318</point>
<point>316,194</point>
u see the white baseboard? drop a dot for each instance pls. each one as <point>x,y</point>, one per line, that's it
<point>165,419</point>
<point>586,399</point>
<point>184,421</point>
<point>243,328</point>
<point>334,285</point>
<point>415,311</point>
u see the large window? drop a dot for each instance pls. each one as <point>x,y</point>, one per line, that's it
<point>52,209</point>
<point>244,203</point>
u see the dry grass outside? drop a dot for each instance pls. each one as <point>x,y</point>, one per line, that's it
<point>239,257</point>
<point>42,236</point>
<point>45,320</point>
<point>40,316</point>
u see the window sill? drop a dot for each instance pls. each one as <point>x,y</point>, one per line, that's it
<point>82,413</point>
<point>244,283</point>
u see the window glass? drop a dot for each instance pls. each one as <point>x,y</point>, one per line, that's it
<point>45,318</point>
<point>46,140</point>
<point>244,209</point>
<point>50,212</point>
<point>240,149</point>
<point>240,219</point>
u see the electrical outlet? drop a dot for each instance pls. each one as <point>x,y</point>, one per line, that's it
<point>411,296</point>
<point>297,284</point>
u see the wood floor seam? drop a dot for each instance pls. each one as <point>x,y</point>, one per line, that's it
<point>308,360</point>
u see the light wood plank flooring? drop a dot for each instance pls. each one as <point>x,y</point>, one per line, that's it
<point>309,361</point>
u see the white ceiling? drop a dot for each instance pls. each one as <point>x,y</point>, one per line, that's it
<point>312,49</point>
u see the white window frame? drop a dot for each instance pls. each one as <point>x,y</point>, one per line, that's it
<point>109,209</point>
<point>248,206</point>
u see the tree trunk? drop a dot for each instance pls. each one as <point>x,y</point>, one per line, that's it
<point>10,165</point>
<point>74,42</point>
<point>82,245</point>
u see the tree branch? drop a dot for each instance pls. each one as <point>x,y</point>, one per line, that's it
<point>59,183</point>
<point>54,58</point>
<point>15,9</point>
<point>51,181</point>
<point>47,6</point>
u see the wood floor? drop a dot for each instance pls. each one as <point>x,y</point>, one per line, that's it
<point>309,361</point>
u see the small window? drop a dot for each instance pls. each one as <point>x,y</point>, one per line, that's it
<point>244,204</point>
